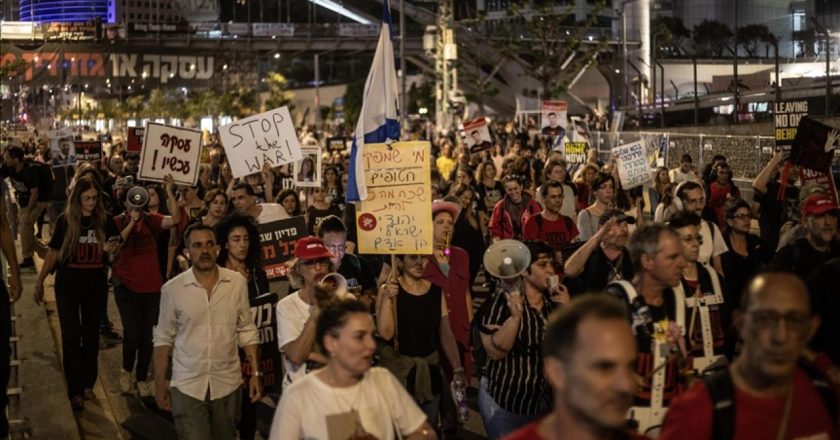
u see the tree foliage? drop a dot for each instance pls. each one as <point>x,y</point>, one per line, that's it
<point>541,37</point>
<point>711,38</point>
<point>749,37</point>
<point>670,34</point>
<point>278,91</point>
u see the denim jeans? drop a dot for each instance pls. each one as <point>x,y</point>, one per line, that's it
<point>205,419</point>
<point>497,421</point>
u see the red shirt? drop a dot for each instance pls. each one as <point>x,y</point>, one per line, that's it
<point>690,415</point>
<point>137,266</point>
<point>557,233</point>
<point>718,195</point>
<point>531,432</point>
<point>455,289</point>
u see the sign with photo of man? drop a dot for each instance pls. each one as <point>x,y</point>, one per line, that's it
<point>477,136</point>
<point>554,118</point>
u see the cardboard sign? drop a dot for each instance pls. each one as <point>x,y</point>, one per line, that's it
<point>813,146</point>
<point>263,312</point>
<point>307,171</point>
<point>477,136</point>
<point>170,150</point>
<point>574,152</point>
<point>266,137</point>
<point>337,144</point>
<point>277,244</point>
<point>88,151</point>
<point>554,119</point>
<point>396,218</point>
<point>633,167</point>
<point>135,139</point>
<point>786,117</point>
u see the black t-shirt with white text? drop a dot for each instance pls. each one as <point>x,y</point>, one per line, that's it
<point>86,263</point>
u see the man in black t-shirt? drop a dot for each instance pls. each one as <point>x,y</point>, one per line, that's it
<point>774,212</point>
<point>360,280</point>
<point>32,191</point>
<point>819,214</point>
<point>604,257</point>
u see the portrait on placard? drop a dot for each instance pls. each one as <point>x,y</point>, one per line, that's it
<point>477,136</point>
<point>307,171</point>
<point>554,119</point>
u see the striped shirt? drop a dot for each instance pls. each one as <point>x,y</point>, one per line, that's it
<point>516,382</point>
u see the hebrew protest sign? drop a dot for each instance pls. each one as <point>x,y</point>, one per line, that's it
<point>263,312</point>
<point>477,136</point>
<point>170,150</point>
<point>337,144</point>
<point>397,215</point>
<point>277,244</point>
<point>266,137</point>
<point>135,139</point>
<point>633,167</point>
<point>88,150</point>
<point>786,117</point>
<point>813,146</point>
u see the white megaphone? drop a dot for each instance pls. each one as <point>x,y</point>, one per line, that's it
<point>507,259</point>
<point>137,197</point>
<point>337,282</point>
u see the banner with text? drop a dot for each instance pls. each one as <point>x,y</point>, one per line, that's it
<point>88,151</point>
<point>633,167</point>
<point>170,150</point>
<point>397,216</point>
<point>786,117</point>
<point>814,144</point>
<point>277,244</point>
<point>135,139</point>
<point>264,313</point>
<point>825,180</point>
<point>574,152</point>
<point>266,137</point>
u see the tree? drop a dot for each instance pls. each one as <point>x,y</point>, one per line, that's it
<point>711,38</point>
<point>750,36</point>
<point>542,38</point>
<point>239,102</point>
<point>670,34</point>
<point>278,93</point>
<point>353,102</point>
<point>422,95</point>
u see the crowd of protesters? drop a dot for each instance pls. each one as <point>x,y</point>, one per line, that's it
<point>640,312</point>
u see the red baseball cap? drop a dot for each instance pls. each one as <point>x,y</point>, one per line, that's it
<point>311,248</point>
<point>819,204</point>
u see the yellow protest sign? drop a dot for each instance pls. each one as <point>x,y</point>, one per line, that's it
<point>396,218</point>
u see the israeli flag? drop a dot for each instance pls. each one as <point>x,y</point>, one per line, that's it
<point>379,120</point>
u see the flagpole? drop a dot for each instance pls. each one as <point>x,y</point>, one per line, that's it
<point>403,70</point>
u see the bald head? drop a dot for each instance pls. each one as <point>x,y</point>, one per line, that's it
<point>780,284</point>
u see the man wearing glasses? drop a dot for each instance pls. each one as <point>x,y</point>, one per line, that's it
<point>693,200</point>
<point>360,280</point>
<point>297,313</point>
<point>803,256</point>
<point>764,394</point>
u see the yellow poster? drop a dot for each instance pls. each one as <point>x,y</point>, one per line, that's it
<point>396,218</point>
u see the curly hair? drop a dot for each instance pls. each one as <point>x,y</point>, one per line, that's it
<point>224,229</point>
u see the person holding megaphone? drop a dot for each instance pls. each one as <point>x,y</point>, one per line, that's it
<point>513,390</point>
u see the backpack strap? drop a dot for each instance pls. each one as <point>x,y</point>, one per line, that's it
<point>539,220</point>
<point>824,388</point>
<point>722,393</point>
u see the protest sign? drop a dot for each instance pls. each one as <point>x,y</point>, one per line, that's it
<point>813,146</point>
<point>62,147</point>
<point>825,180</point>
<point>266,137</point>
<point>396,218</point>
<point>786,117</point>
<point>633,167</point>
<point>88,151</point>
<point>264,314</point>
<point>277,244</point>
<point>656,147</point>
<point>337,144</point>
<point>307,171</point>
<point>135,139</point>
<point>170,150</point>
<point>573,152</point>
<point>554,118</point>
<point>477,136</point>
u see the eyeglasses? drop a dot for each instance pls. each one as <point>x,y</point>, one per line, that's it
<point>319,261</point>
<point>336,247</point>
<point>766,320</point>
<point>692,238</point>
<point>741,216</point>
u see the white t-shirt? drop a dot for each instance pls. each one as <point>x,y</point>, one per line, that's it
<point>709,248</point>
<point>382,403</point>
<point>272,212</point>
<point>292,313</point>
<point>678,176</point>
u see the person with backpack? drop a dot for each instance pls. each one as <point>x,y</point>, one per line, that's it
<point>32,183</point>
<point>692,198</point>
<point>766,393</point>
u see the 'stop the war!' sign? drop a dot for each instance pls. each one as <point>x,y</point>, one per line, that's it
<point>170,150</point>
<point>264,138</point>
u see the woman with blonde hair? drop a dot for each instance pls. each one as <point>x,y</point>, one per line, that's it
<point>84,239</point>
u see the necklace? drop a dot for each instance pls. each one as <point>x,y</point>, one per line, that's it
<point>615,269</point>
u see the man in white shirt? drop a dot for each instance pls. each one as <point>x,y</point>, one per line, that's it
<point>204,316</point>
<point>245,202</point>
<point>685,172</point>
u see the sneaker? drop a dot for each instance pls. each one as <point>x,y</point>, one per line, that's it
<point>126,382</point>
<point>89,394</point>
<point>77,403</point>
<point>27,263</point>
<point>145,388</point>
<point>109,333</point>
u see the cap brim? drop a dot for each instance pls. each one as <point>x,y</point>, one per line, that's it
<point>820,210</point>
